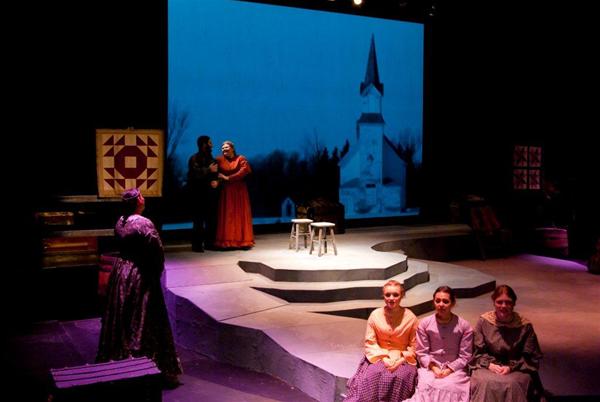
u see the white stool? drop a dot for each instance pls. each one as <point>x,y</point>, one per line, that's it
<point>322,236</point>
<point>300,228</point>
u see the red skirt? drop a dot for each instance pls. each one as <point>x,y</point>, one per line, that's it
<point>234,218</point>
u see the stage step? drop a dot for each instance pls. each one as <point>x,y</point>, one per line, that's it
<point>418,298</point>
<point>324,292</point>
<point>324,275</point>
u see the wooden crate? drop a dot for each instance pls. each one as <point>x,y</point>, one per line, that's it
<point>132,380</point>
<point>65,251</point>
<point>53,218</point>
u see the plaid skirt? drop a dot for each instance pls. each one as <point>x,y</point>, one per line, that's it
<point>375,383</point>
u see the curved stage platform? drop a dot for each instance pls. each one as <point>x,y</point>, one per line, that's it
<point>300,317</point>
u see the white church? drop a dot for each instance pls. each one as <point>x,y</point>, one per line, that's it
<point>372,175</point>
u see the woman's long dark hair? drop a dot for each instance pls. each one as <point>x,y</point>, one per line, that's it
<point>446,289</point>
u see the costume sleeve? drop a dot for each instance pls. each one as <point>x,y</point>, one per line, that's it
<point>532,354</point>
<point>409,354</point>
<point>196,171</point>
<point>243,171</point>
<point>373,351</point>
<point>465,351</point>
<point>423,347</point>
<point>155,257</point>
<point>481,354</point>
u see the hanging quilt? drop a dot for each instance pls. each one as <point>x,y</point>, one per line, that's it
<point>129,158</point>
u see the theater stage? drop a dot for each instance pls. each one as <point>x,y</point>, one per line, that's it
<point>301,317</point>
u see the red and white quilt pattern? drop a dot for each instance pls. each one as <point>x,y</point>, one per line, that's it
<point>129,158</point>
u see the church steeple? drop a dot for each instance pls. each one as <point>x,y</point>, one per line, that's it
<point>369,127</point>
<point>372,73</point>
<point>372,176</point>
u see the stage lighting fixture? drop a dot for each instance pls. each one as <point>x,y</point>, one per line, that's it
<point>431,11</point>
<point>357,2</point>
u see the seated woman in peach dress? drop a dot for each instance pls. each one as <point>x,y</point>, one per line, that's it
<point>389,370</point>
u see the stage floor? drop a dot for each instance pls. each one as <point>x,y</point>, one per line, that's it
<point>297,316</point>
<point>287,338</point>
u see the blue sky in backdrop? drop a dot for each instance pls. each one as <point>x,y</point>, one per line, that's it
<point>272,77</point>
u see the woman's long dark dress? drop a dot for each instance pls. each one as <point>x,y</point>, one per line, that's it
<point>513,344</point>
<point>135,322</point>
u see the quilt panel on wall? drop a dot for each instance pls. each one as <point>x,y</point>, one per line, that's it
<point>129,158</point>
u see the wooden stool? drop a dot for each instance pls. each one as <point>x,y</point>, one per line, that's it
<point>322,236</point>
<point>300,230</point>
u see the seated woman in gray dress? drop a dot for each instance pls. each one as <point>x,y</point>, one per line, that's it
<point>444,348</point>
<point>506,354</point>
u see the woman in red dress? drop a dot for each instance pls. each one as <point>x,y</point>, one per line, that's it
<point>234,216</point>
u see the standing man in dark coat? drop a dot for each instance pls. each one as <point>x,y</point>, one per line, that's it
<point>203,185</point>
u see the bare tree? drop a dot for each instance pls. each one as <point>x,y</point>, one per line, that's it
<point>313,147</point>
<point>178,124</point>
<point>345,149</point>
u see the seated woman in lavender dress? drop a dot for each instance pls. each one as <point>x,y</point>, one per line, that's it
<point>506,354</point>
<point>388,372</point>
<point>444,348</point>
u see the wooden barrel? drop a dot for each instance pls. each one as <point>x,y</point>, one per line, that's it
<point>554,239</point>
